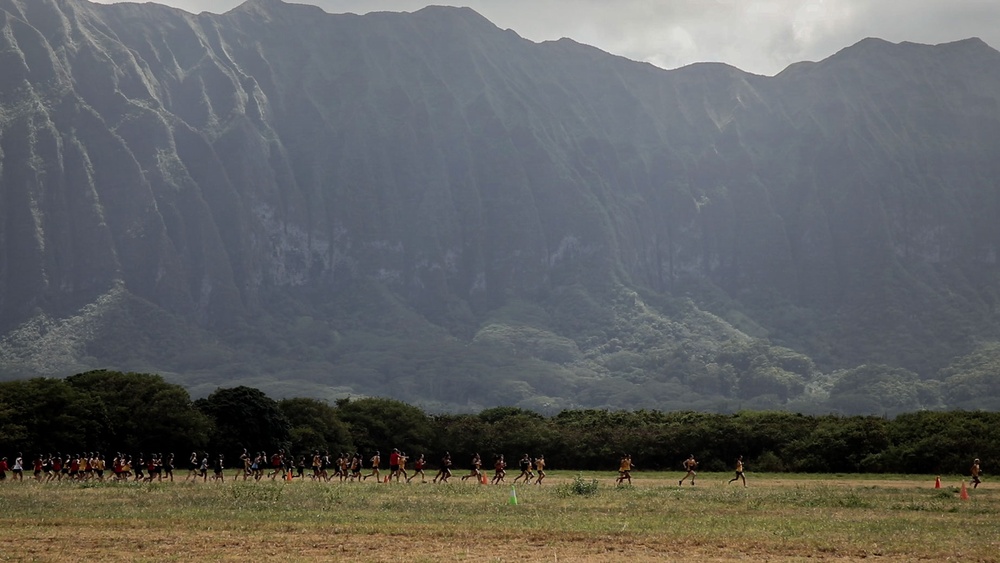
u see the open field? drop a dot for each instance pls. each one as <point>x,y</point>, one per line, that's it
<point>778,518</point>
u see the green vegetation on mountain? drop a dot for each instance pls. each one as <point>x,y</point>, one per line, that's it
<point>425,207</point>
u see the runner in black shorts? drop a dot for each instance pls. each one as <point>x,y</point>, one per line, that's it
<point>168,467</point>
<point>356,464</point>
<point>192,466</point>
<point>476,463</point>
<point>139,466</point>
<point>18,469</point>
<point>445,471</point>
<point>217,467</point>
<point>525,465</point>
<point>418,469</point>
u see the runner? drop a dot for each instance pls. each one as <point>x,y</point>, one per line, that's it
<point>57,467</point>
<point>257,466</point>
<point>74,466</point>
<point>375,460</point>
<point>47,464</point>
<point>277,464</point>
<point>138,466</point>
<point>217,468</point>
<point>689,464</point>
<point>394,464</point>
<point>540,466</point>
<point>47,468</point>
<point>499,469</point>
<point>126,467</point>
<point>341,466</point>
<point>118,467</point>
<point>88,466</point>
<point>356,466</point>
<point>168,467</point>
<point>445,471</point>
<point>476,463</point>
<point>203,468</point>
<point>151,469</point>
<point>624,470</point>
<point>316,464</point>
<point>975,473</point>
<point>243,467</point>
<point>192,466</point>
<point>525,465</point>
<point>37,467</point>
<point>402,467</point>
<point>739,472</point>
<point>418,469</point>
<point>99,466</point>
<point>300,467</point>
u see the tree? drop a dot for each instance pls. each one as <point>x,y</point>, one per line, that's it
<point>876,388</point>
<point>245,418</point>
<point>500,414</point>
<point>143,412</point>
<point>50,416</point>
<point>513,432</point>
<point>382,424</point>
<point>851,444</point>
<point>973,381</point>
<point>939,442</point>
<point>315,426</point>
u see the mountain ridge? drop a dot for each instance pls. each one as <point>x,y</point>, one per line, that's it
<point>378,203</point>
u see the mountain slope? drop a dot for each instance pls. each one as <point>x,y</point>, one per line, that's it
<point>425,206</point>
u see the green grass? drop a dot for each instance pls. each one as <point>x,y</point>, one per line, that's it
<point>899,517</point>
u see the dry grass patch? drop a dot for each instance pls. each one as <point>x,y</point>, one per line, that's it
<point>776,519</point>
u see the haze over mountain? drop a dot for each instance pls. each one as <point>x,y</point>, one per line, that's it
<point>427,207</point>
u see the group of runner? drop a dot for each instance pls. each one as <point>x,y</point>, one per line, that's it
<point>89,465</point>
<point>345,467</point>
<point>350,467</point>
<point>317,465</point>
<point>257,466</point>
<point>527,466</point>
<point>689,465</point>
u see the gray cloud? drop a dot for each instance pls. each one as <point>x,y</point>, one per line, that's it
<point>761,36</point>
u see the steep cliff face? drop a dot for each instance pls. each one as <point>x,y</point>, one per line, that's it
<point>226,196</point>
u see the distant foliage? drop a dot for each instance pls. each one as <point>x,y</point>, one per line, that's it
<point>245,418</point>
<point>973,381</point>
<point>383,424</point>
<point>316,426</point>
<point>94,410</point>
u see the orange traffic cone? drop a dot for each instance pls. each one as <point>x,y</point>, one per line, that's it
<point>964,493</point>
<point>482,478</point>
<point>937,482</point>
<point>386,480</point>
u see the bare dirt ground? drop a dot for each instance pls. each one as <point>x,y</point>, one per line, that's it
<point>157,544</point>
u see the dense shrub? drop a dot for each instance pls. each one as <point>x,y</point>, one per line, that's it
<point>112,411</point>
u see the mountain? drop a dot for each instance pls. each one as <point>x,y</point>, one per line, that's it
<point>427,207</point>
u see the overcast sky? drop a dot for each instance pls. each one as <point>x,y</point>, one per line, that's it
<point>761,36</point>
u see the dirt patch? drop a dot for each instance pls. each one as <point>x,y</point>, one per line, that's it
<point>291,543</point>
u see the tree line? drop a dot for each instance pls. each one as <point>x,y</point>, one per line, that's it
<point>110,411</point>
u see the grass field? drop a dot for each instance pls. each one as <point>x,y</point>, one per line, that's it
<point>777,518</point>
